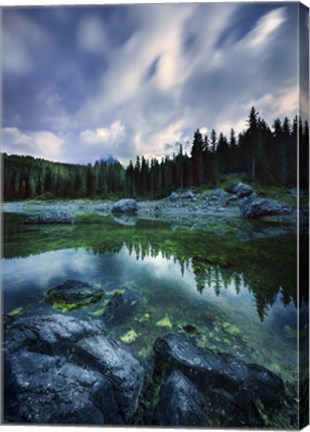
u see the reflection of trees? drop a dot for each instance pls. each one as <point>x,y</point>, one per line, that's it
<point>265,266</point>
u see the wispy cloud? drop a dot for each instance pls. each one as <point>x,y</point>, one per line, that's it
<point>137,79</point>
<point>42,144</point>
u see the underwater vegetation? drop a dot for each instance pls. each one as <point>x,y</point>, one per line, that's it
<point>205,283</point>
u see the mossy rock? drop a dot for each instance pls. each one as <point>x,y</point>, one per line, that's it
<point>73,295</point>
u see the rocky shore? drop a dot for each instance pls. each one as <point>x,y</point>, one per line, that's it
<point>62,370</point>
<point>240,201</point>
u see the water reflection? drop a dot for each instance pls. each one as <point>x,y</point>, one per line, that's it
<point>264,267</point>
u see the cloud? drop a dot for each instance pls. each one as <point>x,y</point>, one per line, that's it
<point>267,25</point>
<point>41,144</point>
<point>91,36</point>
<point>137,79</point>
<point>22,37</point>
<point>104,141</point>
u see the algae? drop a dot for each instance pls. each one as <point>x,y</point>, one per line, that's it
<point>164,322</point>
<point>129,337</point>
<point>16,312</point>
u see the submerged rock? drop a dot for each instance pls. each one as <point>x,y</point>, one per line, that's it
<point>120,307</point>
<point>125,205</point>
<point>258,207</point>
<point>181,404</point>
<point>60,370</point>
<point>58,216</point>
<point>232,388</point>
<point>73,294</point>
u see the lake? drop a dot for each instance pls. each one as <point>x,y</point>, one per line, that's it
<point>214,281</point>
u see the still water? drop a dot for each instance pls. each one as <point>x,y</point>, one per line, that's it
<point>230,294</point>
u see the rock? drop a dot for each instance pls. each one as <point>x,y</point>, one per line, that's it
<point>125,205</point>
<point>103,208</point>
<point>239,383</point>
<point>219,194</point>
<point>181,404</point>
<point>258,207</point>
<point>73,294</point>
<point>294,193</point>
<point>52,217</point>
<point>173,196</point>
<point>61,370</point>
<point>121,307</point>
<point>189,195</point>
<point>242,190</point>
<point>232,198</point>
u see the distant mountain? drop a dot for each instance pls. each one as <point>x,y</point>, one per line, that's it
<point>109,159</point>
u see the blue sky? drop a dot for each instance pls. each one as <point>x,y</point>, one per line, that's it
<point>80,83</point>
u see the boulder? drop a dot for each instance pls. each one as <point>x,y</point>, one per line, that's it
<point>73,294</point>
<point>258,207</point>
<point>61,370</point>
<point>174,196</point>
<point>219,194</point>
<point>180,404</point>
<point>220,376</point>
<point>58,216</point>
<point>125,205</point>
<point>242,190</point>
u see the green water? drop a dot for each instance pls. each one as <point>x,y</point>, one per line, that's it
<point>228,293</point>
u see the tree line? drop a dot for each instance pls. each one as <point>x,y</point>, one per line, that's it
<point>260,153</point>
<point>27,177</point>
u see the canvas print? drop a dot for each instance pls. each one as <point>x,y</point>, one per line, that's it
<point>154,267</point>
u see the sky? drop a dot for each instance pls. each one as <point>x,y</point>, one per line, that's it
<point>81,83</point>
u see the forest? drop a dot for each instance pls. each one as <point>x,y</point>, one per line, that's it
<point>259,153</point>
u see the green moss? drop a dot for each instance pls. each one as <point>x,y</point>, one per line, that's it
<point>101,310</point>
<point>164,322</point>
<point>146,352</point>
<point>16,312</point>
<point>116,291</point>
<point>231,328</point>
<point>143,318</point>
<point>129,337</point>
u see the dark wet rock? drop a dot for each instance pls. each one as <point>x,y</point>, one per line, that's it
<point>57,216</point>
<point>60,370</point>
<point>241,190</point>
<point>181,404</point>
<point>252,208</point>
<point>74,294</point>
<point>125,219</point>
<point>126,205</point>
<point>233,409</point>
<point>221,376</point>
